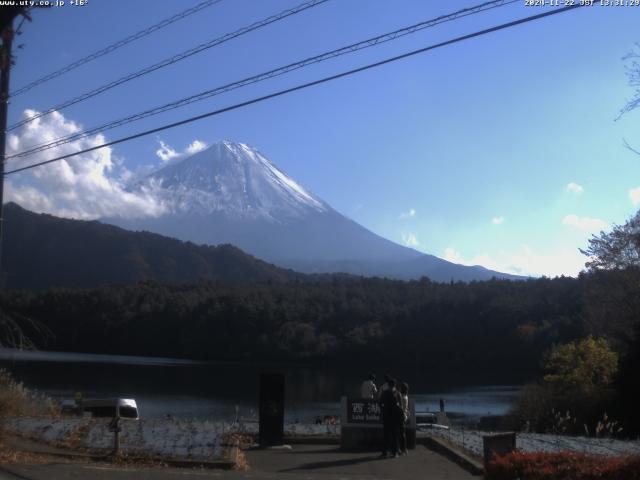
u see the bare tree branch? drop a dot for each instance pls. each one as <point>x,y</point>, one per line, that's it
<point>632,70</point>
<point>18,331</point>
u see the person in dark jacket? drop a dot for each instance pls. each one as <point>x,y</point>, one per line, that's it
<point>391,408</point>
<point>384,386</point>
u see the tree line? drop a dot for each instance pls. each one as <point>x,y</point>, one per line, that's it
<point>495,328</point>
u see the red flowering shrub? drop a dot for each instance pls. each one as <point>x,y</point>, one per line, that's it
<point>562,466</point>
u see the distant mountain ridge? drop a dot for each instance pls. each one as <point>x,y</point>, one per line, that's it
<point>40,251</point>
<point>231,193</point>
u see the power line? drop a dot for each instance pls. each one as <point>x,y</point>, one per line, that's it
<point>114,46</point>
<point>305,85</point>
<point>266,75</point>
<point>173,59</point>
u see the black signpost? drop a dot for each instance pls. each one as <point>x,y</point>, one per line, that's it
<point>271,409</point>
<point>361,424</point>
<point>363,411</point>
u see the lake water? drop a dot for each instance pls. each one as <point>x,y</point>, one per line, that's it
<point>186,389</point>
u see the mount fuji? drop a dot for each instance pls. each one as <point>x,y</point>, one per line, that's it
<point>231,193</point>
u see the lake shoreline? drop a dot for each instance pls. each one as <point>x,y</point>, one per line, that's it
<point>223,391</point>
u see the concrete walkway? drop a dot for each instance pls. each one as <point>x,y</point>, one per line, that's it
<point>327,461</point>
<point>303,462</point>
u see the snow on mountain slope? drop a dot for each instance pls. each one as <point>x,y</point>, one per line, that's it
<point>230,193</point>
<point>235,180</point>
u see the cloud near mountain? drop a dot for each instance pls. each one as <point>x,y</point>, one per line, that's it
<point>224,193</point>
<point>88,186</point>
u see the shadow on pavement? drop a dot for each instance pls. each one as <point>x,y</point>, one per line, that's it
<point>332,463</point>
<point>320,451</point>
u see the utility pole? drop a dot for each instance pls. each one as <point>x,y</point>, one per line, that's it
<point>5,69</point>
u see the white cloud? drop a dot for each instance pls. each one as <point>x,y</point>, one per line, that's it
<point>166,153</point>
<point>87,186</point>
<point>575,188</point>
<point>409,214</point>
<point>195,147</point>
<point>452,255</point>
<point>585,223</point>
<point>634,195</point>
<point>525,261</point>
<point>410,240</point>
<point>497,220</point>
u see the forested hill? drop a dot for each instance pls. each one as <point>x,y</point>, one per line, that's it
<point>42,251</point>
<point>495,329</point>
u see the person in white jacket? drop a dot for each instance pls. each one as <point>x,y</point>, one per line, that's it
<point>368,388</point>
<point>402,435</point>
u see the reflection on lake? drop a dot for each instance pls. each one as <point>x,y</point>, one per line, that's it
<point>187,389</point>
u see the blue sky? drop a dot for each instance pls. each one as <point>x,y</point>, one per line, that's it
<point>466,152</point>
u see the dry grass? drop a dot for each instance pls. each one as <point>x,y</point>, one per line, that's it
<point>241,462</point>
<point>237,439</point>
<point>16,400</point>
<point>234,442</point>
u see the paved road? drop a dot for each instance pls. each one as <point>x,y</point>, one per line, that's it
<point>303,462</point>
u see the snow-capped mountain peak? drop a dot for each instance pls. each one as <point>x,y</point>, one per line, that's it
<point>231,193</point>
<point>233,179</point>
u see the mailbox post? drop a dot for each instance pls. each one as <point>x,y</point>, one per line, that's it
<point>114,426</point>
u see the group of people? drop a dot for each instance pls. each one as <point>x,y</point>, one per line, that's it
<point>393,398</point>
